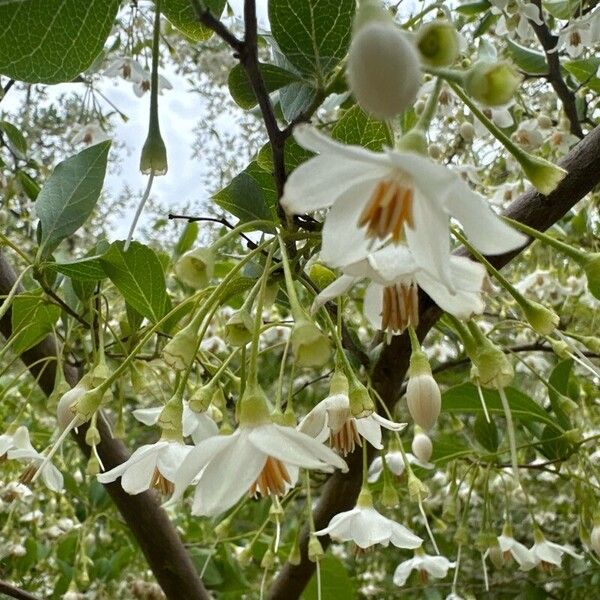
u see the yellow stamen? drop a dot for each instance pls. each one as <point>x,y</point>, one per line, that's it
<point>400,307</point>
<point>28,474</point>
<point>273,479</point>
<point>389,208</point>
<point>346,439</point>
<point>162,484</point>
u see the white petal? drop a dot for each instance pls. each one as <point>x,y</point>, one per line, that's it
<point>315,421</point>
<point>402,537</point>
<point>375,469</point>
<point>205,428</point>
<point>437,566</point>
<point>373,305</point>
<point>392,264</point>
<point>403,571</point>
<point>370,527</point>
<point>21,439</point>
<point>333,290</point>
<point>383,422</point>
<point>340,526</point>
<point>52,477</point>
<point>370,430</point>
<point>228,476</point>
<point>294,447</point>
<point>148,416</point>
<point>171,459</point>
<point>138,475</point>
<point>546,552</point>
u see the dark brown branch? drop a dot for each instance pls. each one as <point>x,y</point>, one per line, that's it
<point>147,521</point>
<point>14,592</point>
<point>209,20</point>
<point>554,76</point>
<point>532,208</point>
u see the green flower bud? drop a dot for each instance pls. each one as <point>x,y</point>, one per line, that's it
<point>180,351</point>
<point>567,405</point>
<point>88,404</point>
<point>268,559</point>
<point>154,154</point>
<point>496,555</point>
<point>309,345</point>
<point>202,397</point>
<point>295,557</point>
<point>321,275</point>
<point>543,320</point>
<point>491,367</point>
<point>271,292</point>
<point>361,404</point>
<point>437,42</point>
<point>389,495</point>
<point>196,267</point>
<point>92,436</point>
<point>93,466</point>
<point>560,348</point>
<point>573,436</point>
<point>462,537</point>
<point>595,538</point>
<point>171,416</point>
<point>467,131</point>
<point>223,529</point>
<point>414,141</point>
<point>315,550</point>
<point>246,556</point>
<point>239,328</point>
<point>492,84</point>
<point>544,175</point>
<point>416,488</point>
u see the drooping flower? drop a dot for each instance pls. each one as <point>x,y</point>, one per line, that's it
<point>151,465</point>
<point>366,527</point>
<point>394,463</point>
<point>23,450</point>
<point>143,84</point>
<point>380,196</point>
<point>89,134</point>
<point>427,565</point>
<point>255,459</point>
<point>548,554</point>
<point>332,419</point>
<point>511,548</point>
<point>391,299</point>
<point>124,67</point>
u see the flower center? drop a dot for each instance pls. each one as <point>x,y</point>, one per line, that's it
<point>162,484</point>
<point>575,39</point>
<point>28,474</point>
<point>400,307</point>
<point>389,208</point>
<point>423,576</point>
<point>272,479</point>
<point>346,439</point>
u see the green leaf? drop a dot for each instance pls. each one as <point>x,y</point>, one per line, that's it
<point>241,90</point>
<point>85,269</point>
<point>335,581</point>
<point>485,23</point>
<point>464,398</point>
<point>32,320</point>
<point>313,34</point>
<point>30,187</point>
<point>447,448</point>
<point>486,433</point>
<point>356,127</point>
<point>295,98</point>
<point>182,15</point>
<point>561,9</point>
<point>50,41</point>
<point>250,195</point>
<point>530,61</point>
<point>70,195</point>
<point>584,70</point>
<point>187,238</point>
<point>16,141</point>
<point>139,276</point>
<point>559,384</point>
<point>294,155</point>
<point>473,8</point>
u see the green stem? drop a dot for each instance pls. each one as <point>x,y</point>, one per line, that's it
<point>431,107</point>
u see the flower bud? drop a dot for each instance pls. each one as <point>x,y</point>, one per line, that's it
<point>87,405</point>
<point>496,555</point>
<point>491,367</point>
<point>437,42</point>
<point>492,84</point>
<point>361,404</point>
<point>180,351</point>
<point>389,495</point>
<point>560,348</point>
<point>202,397</point>
<point>92,436</point>
<point>170,418</point>
<point>239,328</point>
<point>245,557</point>
<point>315,550</point>
<point>295,557</point>
<point>592,272</point>
<point>223,529</point>
<point>93,466</point>
<point>422,447</point>
<point>462,537</point>
<point>154,154</point>
<point>309,345</point>
<point>383,68</point>
<point>595,539</point>
<point>268,559</point>
<point>321,275</point>
<point>435,151</point>
<point>416,488</point>
<point>543,320</point>
<point>196,267</point>
<point>414,141</point>
<point>544,121</point>
<point>67,406</point>
<point>467,131</point>
<point>544,175</point>
<point>423,395</point>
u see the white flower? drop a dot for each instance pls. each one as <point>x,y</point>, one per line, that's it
<point>365,526</point>
<point>143,84</point>
<point>422,446</point>
<point>332,419</point>
<point>23,450</point>
<point>510,547</point>
<point>434,566</point>
<point>391,299</point>
<point>383,68</point>
<point>150,465</point>
<point>7,442</point>
<point>395,464</point>
<point>127,68</point>
<point>89,134</point>
<point>547,553</point>
<point>375,197</point>
<point>575,37</point>
<point>253,458</point>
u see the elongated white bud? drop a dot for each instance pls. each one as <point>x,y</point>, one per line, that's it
<point>67,406</point>
<point>424,400</point>
<point>595,539</point>
<point>383,68</point>
<point>422,447</point>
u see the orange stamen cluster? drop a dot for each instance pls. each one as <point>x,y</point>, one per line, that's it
<point>400,307</point>
<point>346,439</point>
<point>389,208</point>
<point>163,485</point>
<point>273,479</point>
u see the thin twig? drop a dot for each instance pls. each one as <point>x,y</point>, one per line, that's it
<point>14,592</point>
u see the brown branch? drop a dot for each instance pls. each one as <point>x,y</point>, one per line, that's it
<point>532,208</point>
<point>554,76</point>
<point>14,592</point>
<point>147,521</point>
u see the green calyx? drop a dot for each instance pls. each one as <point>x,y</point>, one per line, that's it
<point>419,364</point>
<point>437,42</point>
<point>254,408</point>
<point>310,345</point>
<point>543,320</point>
<point>180,351</point>
<point>414,141</point>
<point>203,396</point>
<point>365,498</point>
<point>170,419</point>
<point>239,328</point>
<point>361,404</point>
<point>338,383</point>
<point>492,84</point>
<point>491,367</point>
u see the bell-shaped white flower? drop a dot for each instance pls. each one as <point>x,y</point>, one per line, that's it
<point>125,67</point>
<point>511,548</point>
<point>427,566</point>
<point>548,554</point>
<point>89,134</point>
<point>380,196</point>
<point>332,419</point>
<point>23,450</point>
<point>7,441</point>
<point>391,299</point>
<point>383,67</point>
<point>254,458</point>
<point>366,527</point>
<point>151,465</point>
<point>395,464</point>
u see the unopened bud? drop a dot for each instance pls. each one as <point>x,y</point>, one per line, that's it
<point>239,328</point>
<point>544,175</point>
<point>423,395</point>
<point>310,345</point>
<point>491,367</point>
<point>422,447</point>
<point>246,556</point>
<point>414,141</point>
<point>543,320</point>
<point>361,403</point>
<point>180,351</point>
<point>223,529</point>
<point>492,84</point>
<point>67,406</point>
<point>496,556</point>
<point>268,559</point>
<point>595,539</point>
<point>315,550</point>
<point>467,131</point>
<point>389,495</point>
<point>321,275</point>
<point>92,436</point>
<point>437,42</point>
<point>295,557</point>
<point>435,151</point>
<point>196,267</point>
<point>93,466</point>
<point>416,488</point>
<point>462,537</point>
<point>154,153</point>
<point>202,397</point>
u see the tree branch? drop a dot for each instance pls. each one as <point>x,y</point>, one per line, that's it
<point>14,592</point>
<point>532,208</point>
<point>147,521</point>
<point>554,76</point>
